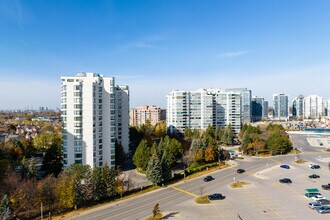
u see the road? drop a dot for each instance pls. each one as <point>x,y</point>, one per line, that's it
<point>180,197</point>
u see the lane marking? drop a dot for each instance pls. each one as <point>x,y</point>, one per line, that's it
<point>184,191</point>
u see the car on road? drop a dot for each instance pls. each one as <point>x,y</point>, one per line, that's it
<point>240,171</point>
<point>326,187</point>
<point>318,197</point>
<point>216,196</point>
<point>285,166</point>
<point>314,205</point>
<point>313,176</point>
<point>285,180</point>
<point>323,201</point>
<point>208,178</point>
<point>323,209</point>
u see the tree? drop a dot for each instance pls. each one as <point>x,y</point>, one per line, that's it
<point>160,129</point>
<point>172,148</point>
<point>154,169</point>
<point>142,155</point>
<point>5,210</point>
<point>156,210</point>
<point>98,185</point>
<point>210,154</point>
<point>29,168</point>
<point>135,137</point>
<point>199,157</point>
<point>52,161</point>
<point>120,155</point>
<point>65,190</point>
<point>47,193</point>
<point>109,179</point>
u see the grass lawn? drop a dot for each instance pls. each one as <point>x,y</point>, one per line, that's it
<point>202,200</point>
<point>238,184</point>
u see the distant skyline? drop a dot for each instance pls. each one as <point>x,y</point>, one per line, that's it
<point>154,47</point>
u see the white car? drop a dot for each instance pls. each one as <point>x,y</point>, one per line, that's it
<point>317,197</point>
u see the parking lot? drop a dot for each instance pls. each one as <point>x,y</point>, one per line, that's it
<point>265,197</point>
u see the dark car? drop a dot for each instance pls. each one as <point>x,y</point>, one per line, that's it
<point>326,187</point>
<point>240,171</point>
<point>285,166</point>
<point>216,196</point>
<point>314,176</point>
<point>208,178</point>
<point>315,166</point>
<point>323,201</point>
<point>323,209</point>
<point>285,180</point>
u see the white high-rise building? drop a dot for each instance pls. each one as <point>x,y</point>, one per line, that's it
<point>95,114</point>
<point>313,107</point>
<point>281,106</point>
<point>298,107</point>
<point>203,107</point>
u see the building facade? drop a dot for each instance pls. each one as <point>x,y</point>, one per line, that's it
<point>140,115</point>
<point>257,104</point>
<point>313,107</point>
<point>298,107</point>
<point>95,115</point>
<point>201,108</point>
<point>281,107</point>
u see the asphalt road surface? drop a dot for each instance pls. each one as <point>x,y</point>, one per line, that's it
<point>263,200</point>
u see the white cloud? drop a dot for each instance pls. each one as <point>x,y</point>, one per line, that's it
<point>232,54</point>
<point>145,43</point>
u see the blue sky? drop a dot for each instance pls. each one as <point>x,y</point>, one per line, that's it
<point>156,46</point>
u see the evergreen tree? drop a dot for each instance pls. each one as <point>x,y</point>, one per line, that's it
<point>154,169</point>
<point>166,169</point>
<point>98,185</point>
<point>142,155</point>
<point>120,155</point>
<point>109,179</point>
<point>52,161</point>
<point>5,210</point>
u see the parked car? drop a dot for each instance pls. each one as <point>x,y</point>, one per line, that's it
<point>314,205</point>
<point>208,179</point>
<point>326,187</point>
<point>323,201</point>
<point>314,166</point>
<point>318,197</point>
<point>314,176</point>
<point>285,166</point>
<point>285,180</point>
<point>240,171</point>
<point>323,209</point>
<point>216,196</point>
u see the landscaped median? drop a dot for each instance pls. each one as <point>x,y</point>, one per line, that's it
<point>239,184</point>
<point>300,161</point>
<point>202,200</point>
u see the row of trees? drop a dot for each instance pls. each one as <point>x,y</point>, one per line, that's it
<point>272,141</point>
<point>76,186</point>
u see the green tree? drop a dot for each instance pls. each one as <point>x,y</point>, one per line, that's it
<point>98,185</point>
<point>52,161</point>
<point>120,155</point>
<point>29,168</point>
<point>5,209</point>
<point>172,148</point>
<point>142,155</point>
<point>135,137</point>
<point>154,169</point>
<point>156,210</point>
<point>109,179</point>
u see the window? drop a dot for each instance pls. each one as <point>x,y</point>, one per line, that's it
<point>78,149</point>
<point>78,155</point>
<point>65,156</point>
<point>78,161</point>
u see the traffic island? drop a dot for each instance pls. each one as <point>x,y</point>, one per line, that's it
<point>238,184</point>
<point>202,200</point>
<point>300,161</point>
